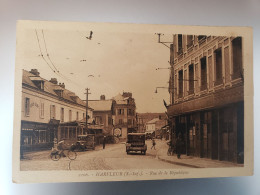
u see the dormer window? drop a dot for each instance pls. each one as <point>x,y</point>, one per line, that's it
<point>38,82</point>
<point>59,92</point>
<point>75,98</point>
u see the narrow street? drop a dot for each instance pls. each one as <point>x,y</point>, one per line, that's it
<point>113,157</point>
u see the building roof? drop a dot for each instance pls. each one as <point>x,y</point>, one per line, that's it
<point>120,99</point>
<point>153,121</point>
<point>50,87</point>
<point>100,105</point>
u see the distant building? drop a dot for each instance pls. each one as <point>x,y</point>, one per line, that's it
<point>124,118</point>
<point>46,104</point>
<point>155,126</point>
<point>206,89</point>
<point>102,113</point>
<point>143,118</point>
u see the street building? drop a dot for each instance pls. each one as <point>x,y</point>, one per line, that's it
<point>102,113</point>
<point>46,105</point>
<point>206,89</point>
<point>155,127</point>
<point>143,118</point>
<point>124,115</point>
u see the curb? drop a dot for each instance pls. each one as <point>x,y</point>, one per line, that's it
<point>178,163</point>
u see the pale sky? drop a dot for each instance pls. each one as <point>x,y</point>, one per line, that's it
<point>118,61</point>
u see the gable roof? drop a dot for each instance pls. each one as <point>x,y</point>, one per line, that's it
<point>100,105</point>
<point>153,121</point>
<point>50,87</point>
<point>120,99</point>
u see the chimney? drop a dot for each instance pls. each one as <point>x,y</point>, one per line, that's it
<point>127,94</point>
<point>102,97</point>
<point>62,85</point>
<point>54,81</point>
<point>35,72</point>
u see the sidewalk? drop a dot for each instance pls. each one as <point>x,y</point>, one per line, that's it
<point>188,161</point>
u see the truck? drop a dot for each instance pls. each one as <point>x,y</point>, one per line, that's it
<point>136,143</point>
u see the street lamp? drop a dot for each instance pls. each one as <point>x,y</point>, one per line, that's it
<point>156,91</point>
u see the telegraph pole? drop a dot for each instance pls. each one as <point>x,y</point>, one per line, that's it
<point>87,93</point>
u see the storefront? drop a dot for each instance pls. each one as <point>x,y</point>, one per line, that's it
<point>38,136</point>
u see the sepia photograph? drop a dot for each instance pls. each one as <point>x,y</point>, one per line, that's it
<point>107,102</point>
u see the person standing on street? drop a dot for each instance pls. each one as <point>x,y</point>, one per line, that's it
<point>153,144</point>
<point>178,145</point>
<point>104,142</point>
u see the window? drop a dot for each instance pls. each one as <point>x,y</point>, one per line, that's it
<point>59,92</point>
<point>98,120</point>
<point>218,66</point>
<point>180,83</point>
<point>77,116</point>
<point>120,111</point>
<point>53,112</point>
<point>237,58</point>
<point>203,75</point>
<point>129,121</point>
<point>39,84</point>
<point>131,112</point>
<point>180,49</point>
<point>62,115</point>
<point>83,115</point>
<point>171,54</point>
<point>110,121</point>
<point>42,136</point>
<point>27,106</point>
<point>201,39</point>
<point>120,121</point>
<point>191,79</point>
<point>42,110</point>
<point>70,115</point>
<point>189,41</point>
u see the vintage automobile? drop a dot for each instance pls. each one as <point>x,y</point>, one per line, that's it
<point>136,142</point>
<point>85,142</point>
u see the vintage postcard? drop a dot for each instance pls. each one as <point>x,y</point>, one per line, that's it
<point>118,102</point>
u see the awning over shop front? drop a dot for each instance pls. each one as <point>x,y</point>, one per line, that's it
<point>30,126</point>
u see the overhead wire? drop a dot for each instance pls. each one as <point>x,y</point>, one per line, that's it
<point>47,52</point>
<point>41,52</point>
<point>55,69</point>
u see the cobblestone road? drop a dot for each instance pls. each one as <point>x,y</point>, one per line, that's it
<point>111,158</point>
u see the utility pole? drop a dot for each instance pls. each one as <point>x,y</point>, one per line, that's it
<point>87,93</point>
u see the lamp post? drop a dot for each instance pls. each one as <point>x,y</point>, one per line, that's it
<point>87,93</point>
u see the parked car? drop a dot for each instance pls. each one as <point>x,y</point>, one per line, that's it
<point>85,142</point>
<point>135,143</point>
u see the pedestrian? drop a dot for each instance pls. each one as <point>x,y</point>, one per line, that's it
<point>104,142</point>
<point>178,145</point>
<point>153,144</point>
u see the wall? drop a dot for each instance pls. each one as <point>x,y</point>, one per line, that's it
<point>35,103</point>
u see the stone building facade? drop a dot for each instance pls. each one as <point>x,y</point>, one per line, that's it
<point>124,114</point>
<point>102,113</point>
<point>206,89</point>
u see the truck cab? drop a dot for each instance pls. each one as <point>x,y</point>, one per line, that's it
<point>135,143</point>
